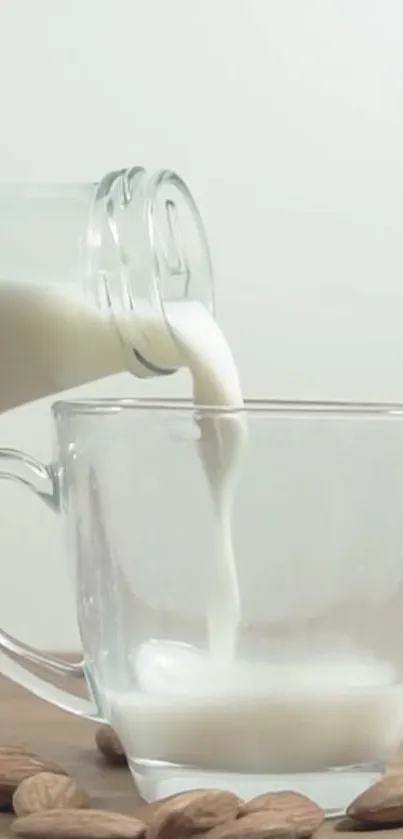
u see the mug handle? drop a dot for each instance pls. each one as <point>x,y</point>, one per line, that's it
<point>41,479</point>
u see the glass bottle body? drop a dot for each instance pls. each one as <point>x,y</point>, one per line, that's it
<point>85,269</point>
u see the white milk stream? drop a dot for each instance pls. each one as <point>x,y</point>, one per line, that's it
<point>200,346</point>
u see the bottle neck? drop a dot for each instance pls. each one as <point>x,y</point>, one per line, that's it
<point>146,247</point>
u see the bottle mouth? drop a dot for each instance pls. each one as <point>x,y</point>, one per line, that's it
<point>182,268</point>
<point>151,248</point>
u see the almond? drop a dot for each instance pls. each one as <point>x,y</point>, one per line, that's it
<point>382,803</point>
<point>109,745</point>
<point>305,815</point>
<point>16,764</point>
<point>78,824</point>
<point>146,812</point>
<point>12,748</point>
<point>193,812</point>
<point>261,825</point>
<point>47,791</point>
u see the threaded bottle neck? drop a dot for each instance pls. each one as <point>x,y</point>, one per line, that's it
<point>146,245</point>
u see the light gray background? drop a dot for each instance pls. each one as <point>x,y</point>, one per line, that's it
<point>286,119</point>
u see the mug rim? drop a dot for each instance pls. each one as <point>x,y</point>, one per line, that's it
<point>114,405</point>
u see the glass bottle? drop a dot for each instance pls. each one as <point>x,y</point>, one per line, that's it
<point>78,264</point>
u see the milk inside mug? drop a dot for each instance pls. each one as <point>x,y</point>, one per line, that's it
<point>85,273</point>
<point>297,681</point>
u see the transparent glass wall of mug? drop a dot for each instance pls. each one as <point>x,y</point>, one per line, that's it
<point>313,698</point>
<point>83,269</point>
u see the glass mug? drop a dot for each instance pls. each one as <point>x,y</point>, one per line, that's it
<point>313,700</point>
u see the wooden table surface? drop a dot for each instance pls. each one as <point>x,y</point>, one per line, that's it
<point>55,734</point>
